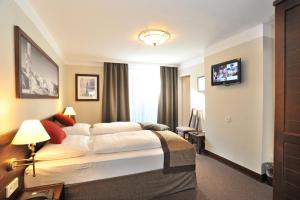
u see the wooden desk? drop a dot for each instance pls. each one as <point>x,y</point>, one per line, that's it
<point>199,139</point>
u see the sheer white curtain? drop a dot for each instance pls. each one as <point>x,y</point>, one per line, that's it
<point>144,90</point>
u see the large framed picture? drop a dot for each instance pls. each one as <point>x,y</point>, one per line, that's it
<point>87,87</point>
<point>37,75</point>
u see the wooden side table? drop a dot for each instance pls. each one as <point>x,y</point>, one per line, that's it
<point>57,189</point>
<point>199,139</point>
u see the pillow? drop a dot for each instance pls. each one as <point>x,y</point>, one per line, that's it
<point>65,120</point>
<point>73,146</point>
<point>154,127</point>
<point>144,124</point>
<point>115,127</point>
<point>78,129</point>
<point>83,125</point>
<point>56,134</point>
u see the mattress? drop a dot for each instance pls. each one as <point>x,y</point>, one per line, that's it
<point>94,167</point>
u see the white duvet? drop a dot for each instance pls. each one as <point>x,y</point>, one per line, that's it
<point>115,127</point>
<point>125,141</point>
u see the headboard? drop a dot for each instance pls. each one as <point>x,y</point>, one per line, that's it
<point>8,151</point>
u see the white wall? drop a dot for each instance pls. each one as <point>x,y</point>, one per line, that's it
<point>248,139</point>
<point>12,110</point>
<point>268,99</point>
<point>239,141</point>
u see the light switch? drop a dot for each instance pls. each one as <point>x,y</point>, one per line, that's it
<point>11,187</point>
<point>228,119</point>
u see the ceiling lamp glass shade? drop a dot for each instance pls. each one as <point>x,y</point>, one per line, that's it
<point>30,132</point>
<point>154,37</point>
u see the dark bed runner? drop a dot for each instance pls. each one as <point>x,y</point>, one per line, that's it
<point>179,155</point>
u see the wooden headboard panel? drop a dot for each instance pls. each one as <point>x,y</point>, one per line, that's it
<point>8,151</point>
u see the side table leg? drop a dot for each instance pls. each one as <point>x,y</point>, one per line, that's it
<point>198,145</point>
<point>203,145</point>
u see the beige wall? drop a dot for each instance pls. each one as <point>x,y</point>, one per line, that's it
<point>197,99</point>
<point>241,140</point>
<point>12,110</point>
<point>86,111</point>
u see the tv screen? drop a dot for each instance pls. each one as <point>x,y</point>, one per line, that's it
<point>226,73</point>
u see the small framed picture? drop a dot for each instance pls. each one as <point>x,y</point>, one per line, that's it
<point>87,87</point>
<point>201,83</point>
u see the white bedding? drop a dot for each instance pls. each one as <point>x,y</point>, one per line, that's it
<point>125,141</point>
<point>72,146</point>
<point>115,127</point>
<point>94,167</point>
<point>78,129</point>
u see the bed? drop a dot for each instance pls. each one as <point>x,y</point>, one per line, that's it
<point>143,169</point>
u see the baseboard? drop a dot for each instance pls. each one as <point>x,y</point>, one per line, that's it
<point>233,165</point>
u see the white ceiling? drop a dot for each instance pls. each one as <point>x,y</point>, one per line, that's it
<point>105,30</point>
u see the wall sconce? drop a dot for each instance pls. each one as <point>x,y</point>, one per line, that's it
<point>30,133</point>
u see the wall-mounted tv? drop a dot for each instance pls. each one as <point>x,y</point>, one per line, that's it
<point>226,73</point>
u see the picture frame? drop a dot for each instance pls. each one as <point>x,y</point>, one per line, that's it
<point>87,87</point>
<point>36,74</point>
<point>201,83</point>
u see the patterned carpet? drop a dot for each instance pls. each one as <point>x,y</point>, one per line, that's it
<point>217,181</point>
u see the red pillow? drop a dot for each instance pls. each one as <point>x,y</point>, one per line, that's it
<point>65,120</point>
<point>57,135</point>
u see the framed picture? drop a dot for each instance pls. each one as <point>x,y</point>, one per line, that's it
<point>37,75</point>
<point>201,83</point>
<point>87,87</point>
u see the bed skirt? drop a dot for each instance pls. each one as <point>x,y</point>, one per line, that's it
<point>147,185</point>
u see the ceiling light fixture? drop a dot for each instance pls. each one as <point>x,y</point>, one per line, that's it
<point>154,37</point>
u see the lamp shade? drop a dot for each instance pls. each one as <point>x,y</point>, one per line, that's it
<point>30,132</point>
<point>69,111</point>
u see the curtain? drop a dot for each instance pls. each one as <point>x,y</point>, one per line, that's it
<point>168,101</point>
<point>144,90</point>
<point>115,105</point>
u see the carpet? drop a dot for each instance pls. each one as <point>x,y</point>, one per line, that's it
<point>217,181</point>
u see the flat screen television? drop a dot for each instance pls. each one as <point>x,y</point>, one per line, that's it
<point>226,73</point>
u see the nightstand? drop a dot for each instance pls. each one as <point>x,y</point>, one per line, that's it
<point>57,189</point>
<point>199,139</point>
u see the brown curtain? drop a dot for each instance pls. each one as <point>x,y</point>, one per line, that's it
<point>168,101</point>
<point>115,105</point>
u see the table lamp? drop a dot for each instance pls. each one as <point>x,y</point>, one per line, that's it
<point>30,133</point>
<point>69,111</point>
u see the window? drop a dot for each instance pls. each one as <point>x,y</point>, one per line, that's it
<point>144,91</point>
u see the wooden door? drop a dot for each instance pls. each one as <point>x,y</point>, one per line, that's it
<point>287,102</point>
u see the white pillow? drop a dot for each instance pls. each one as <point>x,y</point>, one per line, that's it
<point>71,147</point>
<point>85,125</point>
<point>78,129</point>
<point>125,141</point>
<point>115,127</point>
